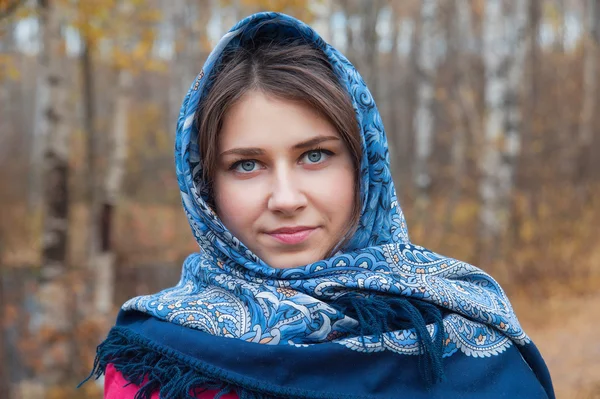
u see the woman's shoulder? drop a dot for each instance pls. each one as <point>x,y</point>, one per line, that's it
<point>117,387</point>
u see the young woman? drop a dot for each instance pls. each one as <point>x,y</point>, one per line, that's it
<point>306,284</point>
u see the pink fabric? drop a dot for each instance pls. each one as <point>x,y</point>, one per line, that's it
<point>114,388</point>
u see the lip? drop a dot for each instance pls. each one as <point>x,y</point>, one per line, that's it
<point>292,235</point>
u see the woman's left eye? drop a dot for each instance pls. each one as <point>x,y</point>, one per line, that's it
<point>316,156</point>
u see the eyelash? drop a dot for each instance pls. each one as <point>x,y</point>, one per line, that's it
<point>235,164</point>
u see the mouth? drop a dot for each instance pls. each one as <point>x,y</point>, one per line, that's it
<point>292,235</point>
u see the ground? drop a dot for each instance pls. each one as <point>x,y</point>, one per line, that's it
<point>565,329</point>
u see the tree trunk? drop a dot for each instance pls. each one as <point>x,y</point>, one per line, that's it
<point>329,29</point>
<point>370,48</point>
<point>391,94</point>
<point>590,84</point>
<point>559,40</point>
<point>36,150</point>
<point>463,110</point>
<point>495,85</point>
<point>518,34</point>
<point>503,120</point>
<point>522,38</point>
<point>523,183</point>
<point>190,20</point>
<point>176,13</point>
<point>424,117</point>
<point>562,77</point>
<point>347,7</point>
<point>7,107</point>
<point>409,97</point>
<point>4,380</point>
<point>105,262</point>
<point>53,318</point>
<point>93,151</point>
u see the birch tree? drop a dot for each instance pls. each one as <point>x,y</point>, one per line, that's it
<point>424,117</point>
<point>35,175</point>
<point>396,92</point>
<point>52,321</point>
<point>180,27</point>
<point>348,9</point>
<point>86,13</point>
<point>503,55</point>
<point>370,44</point>
<point>130,44</point>
<point>362,41</point>
<point>518,34</point>
<point>463,109</point>
<point>189,22</point>
<point>390,90</point>
<point>105,263</point>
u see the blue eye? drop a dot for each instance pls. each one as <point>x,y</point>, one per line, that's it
<point>244,166</point>
<point>316,156</point>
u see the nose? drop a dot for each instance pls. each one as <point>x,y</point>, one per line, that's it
<point>287,196</point>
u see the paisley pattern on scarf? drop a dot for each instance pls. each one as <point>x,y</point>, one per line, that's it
<point>226,290</point>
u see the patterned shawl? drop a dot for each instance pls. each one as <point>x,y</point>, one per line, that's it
<point>422,324</point>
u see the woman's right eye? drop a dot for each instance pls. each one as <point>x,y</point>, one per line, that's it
<point>245,166</point>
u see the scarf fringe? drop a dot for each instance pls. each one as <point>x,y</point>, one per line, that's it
<point>379,314</point>
<point>154,371</point>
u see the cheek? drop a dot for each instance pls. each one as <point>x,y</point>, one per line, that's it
<point>336,194</point>
<point>237,205</point>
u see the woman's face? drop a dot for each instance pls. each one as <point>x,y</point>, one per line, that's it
<point>284,180</point>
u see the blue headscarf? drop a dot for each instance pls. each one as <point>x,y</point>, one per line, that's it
<point>418,322</point>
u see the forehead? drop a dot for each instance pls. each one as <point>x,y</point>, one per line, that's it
<point>259,120</point>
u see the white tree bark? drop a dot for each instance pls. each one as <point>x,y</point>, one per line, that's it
<point>424,118</point>
<point>53,294</point>
<point>495,55</point>
<point>105,263</point>
<point>34,178</point>
<point>504,56</point>
<point>517,34</point>
<point>189,20</point>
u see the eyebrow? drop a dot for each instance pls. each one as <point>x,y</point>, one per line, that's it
<point>254,151</point>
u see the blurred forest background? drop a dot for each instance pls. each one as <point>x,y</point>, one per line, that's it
<point>490,107</point>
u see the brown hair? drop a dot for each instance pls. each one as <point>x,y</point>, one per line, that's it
<point>287,69</point>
